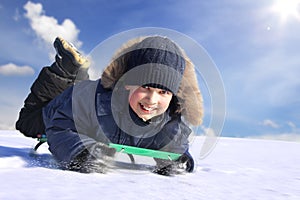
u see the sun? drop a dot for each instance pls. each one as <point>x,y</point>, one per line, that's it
<point>287,9</point>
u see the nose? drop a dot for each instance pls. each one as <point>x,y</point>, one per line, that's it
<point>152,97</point>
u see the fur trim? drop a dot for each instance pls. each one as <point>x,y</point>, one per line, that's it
<point>189,95</point>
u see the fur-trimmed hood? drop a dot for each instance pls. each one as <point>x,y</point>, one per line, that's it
<point>188,94</point>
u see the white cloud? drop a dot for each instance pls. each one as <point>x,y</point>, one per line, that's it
<point>5,126</point>
<point>12,69</point>
<point>291,137</point>
<point>292,125</point>
<point>47,28</point>
<point>209,131</point>
<point>270,123</point>
<point>290,133</point>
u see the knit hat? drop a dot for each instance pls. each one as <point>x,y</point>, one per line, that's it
<point>155,61</point>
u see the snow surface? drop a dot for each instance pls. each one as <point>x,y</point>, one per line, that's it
<point>236,169</point>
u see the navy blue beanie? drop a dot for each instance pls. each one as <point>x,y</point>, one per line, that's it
<point>155,61</point>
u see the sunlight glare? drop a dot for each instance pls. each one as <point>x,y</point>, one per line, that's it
<point>287,9</point>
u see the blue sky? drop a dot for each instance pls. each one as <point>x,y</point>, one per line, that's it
<point>254,44</point>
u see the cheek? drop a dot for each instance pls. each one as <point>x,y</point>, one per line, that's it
<point>165,102</point>
<point>134,98</point>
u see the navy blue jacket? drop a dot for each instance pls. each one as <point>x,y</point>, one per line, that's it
<point>82,115</point>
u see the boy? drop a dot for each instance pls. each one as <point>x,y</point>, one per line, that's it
<point>144,98</point>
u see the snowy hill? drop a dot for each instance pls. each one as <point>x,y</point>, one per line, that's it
<point>236,169</point>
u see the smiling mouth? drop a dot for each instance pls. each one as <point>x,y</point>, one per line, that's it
<point>146,108</point>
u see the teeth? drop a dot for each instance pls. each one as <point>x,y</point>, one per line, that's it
<point>147,108</point>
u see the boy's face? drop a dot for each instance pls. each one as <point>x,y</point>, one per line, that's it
<point>148,102</point>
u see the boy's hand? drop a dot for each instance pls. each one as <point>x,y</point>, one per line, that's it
<point>187,160</point>
<point>95,159</point>
<point>168,168</point>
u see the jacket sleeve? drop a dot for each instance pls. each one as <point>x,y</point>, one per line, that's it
<point>65,143</point>
<point>174,136</point>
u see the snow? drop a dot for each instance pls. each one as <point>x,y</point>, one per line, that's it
<point>236,169</point>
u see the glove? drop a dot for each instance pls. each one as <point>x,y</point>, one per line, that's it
<point>164,167</point>
<point>100,150</point>
<point>169,168</point>
<point>93,160</point>
<point>187,159</point>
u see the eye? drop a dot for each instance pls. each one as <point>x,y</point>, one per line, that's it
<point>145,87</point>
<point>165,92</point>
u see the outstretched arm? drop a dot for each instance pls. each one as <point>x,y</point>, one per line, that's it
<point>63,139</point>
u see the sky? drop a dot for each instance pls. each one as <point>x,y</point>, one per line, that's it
<point>253,44</point>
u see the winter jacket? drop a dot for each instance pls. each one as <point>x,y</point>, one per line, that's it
<point>82,116</point>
